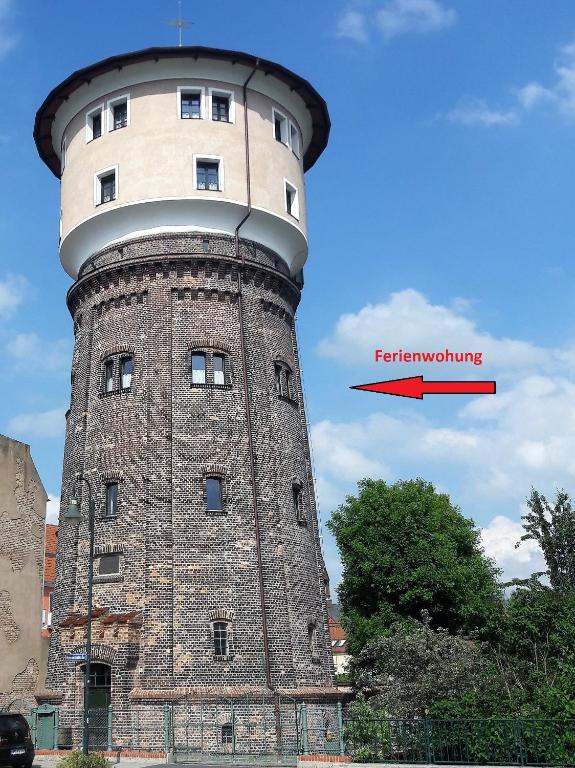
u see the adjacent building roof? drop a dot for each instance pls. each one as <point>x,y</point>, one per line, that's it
<point>50,547</point>
<point>313,101</point>
<point>337,636</point>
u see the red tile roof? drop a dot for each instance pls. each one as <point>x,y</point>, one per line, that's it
<point>337,636</point>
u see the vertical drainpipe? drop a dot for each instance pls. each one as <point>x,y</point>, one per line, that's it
<point>241,268</point>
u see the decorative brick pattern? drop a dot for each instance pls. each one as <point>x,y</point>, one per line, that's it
<point>182,568</point>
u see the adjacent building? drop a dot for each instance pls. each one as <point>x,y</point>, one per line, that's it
<point>184,227</point>
<point>339,651</point>
<point>49,577</point>
<point>22,517</point>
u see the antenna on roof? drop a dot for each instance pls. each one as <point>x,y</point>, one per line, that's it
<point>179,23</point>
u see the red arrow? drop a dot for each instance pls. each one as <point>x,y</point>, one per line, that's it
<point>415,386</point>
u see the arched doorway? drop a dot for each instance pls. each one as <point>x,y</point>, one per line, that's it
<point>99,704</point>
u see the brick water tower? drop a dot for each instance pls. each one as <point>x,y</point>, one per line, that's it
<point>183,226</point>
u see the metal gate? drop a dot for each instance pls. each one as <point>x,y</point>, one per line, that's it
<point>100,728</point>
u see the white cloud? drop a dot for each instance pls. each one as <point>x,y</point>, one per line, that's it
<point>399,17</point>
<point>480,465</point>
<point>334,443</point>
<point>52,508</point>
<point>7,38</point>
<point>409,321</point>
<point>12,291</point>
<point>499,539</point>
<point>353,26</point>
<point>533,94</point>
<point>560,95</point>
<point>395,18</point>
<point>29,350</point>
<point>476,112</point>
<point>43,424</point>
<point>490,451</point>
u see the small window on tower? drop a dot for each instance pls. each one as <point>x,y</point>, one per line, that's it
<point>108,564</point>
<point>109,376</point>
<point>298,508</point>
<point>94,123</point>
<point>97,125</point>
<point>120,115</point>
<point>198,368</point>
<point>111,508</point>
<point>221,639</point>
<point>289,384</point>
<point>280,127</point>
<point>291,200</point>
<point>208,175</point>
<point>278,379</point>
<point>312,640</point>
<point>191,105</point>
<point>220,108</point>
<point>126,369</point>
<point>214,499</point>
<point>219,369</point>
<point>119,112</point>
<point>284,382</point>
<point>105,186</point>
<point>294,140</point>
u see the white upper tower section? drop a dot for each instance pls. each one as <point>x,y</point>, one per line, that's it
<point>172,139</point>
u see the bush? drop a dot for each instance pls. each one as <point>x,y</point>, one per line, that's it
<point>78,759</point>
<point>367,734</point>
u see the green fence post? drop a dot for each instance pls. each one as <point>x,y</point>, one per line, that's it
<point>519,741</point>
<point>110,728</point>
<point>340,728</point>
<point>233,714</point>
<point>166,727</point>
<point>56,726</point>
<point>304,733</point>
<point>427,727</point>
<point>34,725</point>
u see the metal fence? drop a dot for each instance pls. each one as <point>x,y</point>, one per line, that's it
<point>190,729</point>
<point>469,742</point>
<point>279,731</point>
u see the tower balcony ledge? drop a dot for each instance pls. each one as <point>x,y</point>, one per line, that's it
<point>180,215</point>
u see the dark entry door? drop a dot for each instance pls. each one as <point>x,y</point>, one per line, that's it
<point>100,700</point>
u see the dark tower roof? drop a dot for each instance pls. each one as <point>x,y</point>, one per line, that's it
<point>313,101</point>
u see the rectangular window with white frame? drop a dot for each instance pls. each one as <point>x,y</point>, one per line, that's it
<point>280,126</point>
<point>222,106</point>
<point>106,185</point>
<point>291,199</point>
<point>294,140</point>
<point>209,173</point>
<point>119,112</point>
<point>191,103</point>
<point>94,123</point>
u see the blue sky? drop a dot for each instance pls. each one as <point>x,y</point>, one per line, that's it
<point>441,215</point>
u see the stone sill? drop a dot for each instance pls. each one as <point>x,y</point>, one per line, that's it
<point>289,400</point>
<point>111,578</point>
<point>126,391</point>
<point>211,386</point>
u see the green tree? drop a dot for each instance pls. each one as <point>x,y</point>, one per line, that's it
<point>553,528</point>
<point>414,666</point>
<point>530,666</point>
<point>405,549</point>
